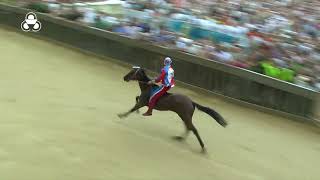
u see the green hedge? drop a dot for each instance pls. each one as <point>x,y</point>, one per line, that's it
<point>8,1</point>
<point>39,7</point>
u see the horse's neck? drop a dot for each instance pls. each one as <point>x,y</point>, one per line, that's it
<point>143,86</point>
<point>143,83</point>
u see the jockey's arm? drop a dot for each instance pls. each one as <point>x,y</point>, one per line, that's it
<point>160,77</point>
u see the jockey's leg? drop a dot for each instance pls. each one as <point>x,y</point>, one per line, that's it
<point>154,99</point>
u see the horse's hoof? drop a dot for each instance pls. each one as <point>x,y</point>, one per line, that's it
<point>178,138</point>
<point>204,151</point>
<point>121,116</point>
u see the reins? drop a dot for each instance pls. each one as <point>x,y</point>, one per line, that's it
<point>142,82</point>
<point>135,75</point>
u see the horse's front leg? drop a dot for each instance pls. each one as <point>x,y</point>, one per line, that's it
<point>135,108</point>
<point>137,100</point>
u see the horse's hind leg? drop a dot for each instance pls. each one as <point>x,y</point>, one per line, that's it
<point>183,136</point>
<point>195,132</point>
<point>186,132</point>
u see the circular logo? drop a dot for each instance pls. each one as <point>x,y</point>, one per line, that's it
<point>31,23</point>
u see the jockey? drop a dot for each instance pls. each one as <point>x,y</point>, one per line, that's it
<point>167,82</point>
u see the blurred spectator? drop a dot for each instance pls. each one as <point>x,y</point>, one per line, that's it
<point>222,55</point>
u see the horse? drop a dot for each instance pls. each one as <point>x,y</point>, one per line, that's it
<point>180,104</point>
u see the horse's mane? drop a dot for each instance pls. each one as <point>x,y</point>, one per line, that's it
<point>144,76</point>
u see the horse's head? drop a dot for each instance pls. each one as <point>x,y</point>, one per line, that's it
<point>136,74</point>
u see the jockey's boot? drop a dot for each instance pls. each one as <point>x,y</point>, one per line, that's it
<point>148,113</point>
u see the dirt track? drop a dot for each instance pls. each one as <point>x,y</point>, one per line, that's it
<point>58,121</point>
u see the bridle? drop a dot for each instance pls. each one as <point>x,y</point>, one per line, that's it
<point>135,74</point>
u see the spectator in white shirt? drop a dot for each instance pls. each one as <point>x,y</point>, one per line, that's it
<point>221,55</point>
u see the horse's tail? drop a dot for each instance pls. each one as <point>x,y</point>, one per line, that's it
<point>212,113</point>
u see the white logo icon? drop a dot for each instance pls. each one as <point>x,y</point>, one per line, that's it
<point>31,23</point>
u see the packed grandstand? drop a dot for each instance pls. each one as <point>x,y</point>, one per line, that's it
<point>278,38</point>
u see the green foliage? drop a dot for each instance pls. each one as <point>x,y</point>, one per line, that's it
<point>39,7</point>
<point>8,1</point>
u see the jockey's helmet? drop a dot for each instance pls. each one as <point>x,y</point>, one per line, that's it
<point>167,61</point>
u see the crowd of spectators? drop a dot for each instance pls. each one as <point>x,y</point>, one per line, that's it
<point>278,38</point>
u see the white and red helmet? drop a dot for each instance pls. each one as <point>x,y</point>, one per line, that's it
<point>167,61</point>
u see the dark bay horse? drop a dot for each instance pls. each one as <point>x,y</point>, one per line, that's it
<point>180,104</point>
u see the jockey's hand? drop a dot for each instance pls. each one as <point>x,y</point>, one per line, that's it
<point>151,82</point>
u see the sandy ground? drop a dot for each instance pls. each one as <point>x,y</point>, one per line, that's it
<point>58,121</point>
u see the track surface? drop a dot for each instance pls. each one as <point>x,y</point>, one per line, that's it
<point>58,121</point>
